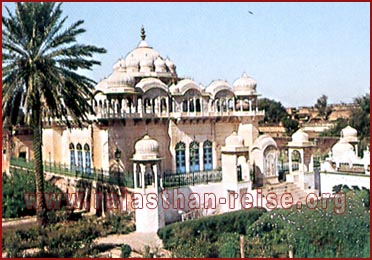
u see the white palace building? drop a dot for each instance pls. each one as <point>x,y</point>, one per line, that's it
<point>167,131</point>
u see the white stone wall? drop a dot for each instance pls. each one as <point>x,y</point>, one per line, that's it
<point>328,180</point>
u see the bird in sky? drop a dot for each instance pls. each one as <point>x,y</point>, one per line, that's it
<point>250,12</point>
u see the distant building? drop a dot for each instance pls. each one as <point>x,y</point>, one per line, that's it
<point>344,165</point>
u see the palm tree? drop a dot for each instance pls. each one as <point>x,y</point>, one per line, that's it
<point>41,59</point>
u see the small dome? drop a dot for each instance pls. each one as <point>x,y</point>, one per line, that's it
<point>343,151</point>
<point>170,65</point>
<point>300,136</point>
<point>160,65</point>
<point>217,86</point>
<point>234,140</point>
<point>349,134</point>
<point>118,78</point>
<point>119,65</point>
<point>132,64</point>
<point>146,65</point>
<point>159,62</point>
<point>146,148</point>
<point>245,86</point>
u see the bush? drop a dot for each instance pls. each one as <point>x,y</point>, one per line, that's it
<point>320,232</point>
<point>198,238</point>
<point>15,186</point>
<point>125,251</point>
<point>118,224</point>
<point>229,246</point>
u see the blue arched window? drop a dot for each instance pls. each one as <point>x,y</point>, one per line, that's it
<point>79,158</point>
<point>87,159</point>
<point>208,156</point>
<point>180,158</point>
<point>72,157</point>
<point>194,157</point>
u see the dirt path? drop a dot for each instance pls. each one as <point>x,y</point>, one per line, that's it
<point>137,241</point>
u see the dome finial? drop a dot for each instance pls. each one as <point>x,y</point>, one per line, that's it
<point>143,33</point>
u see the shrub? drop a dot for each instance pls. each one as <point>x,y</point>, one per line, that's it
<point>205,232</point>
<point>228,246</point>
<point>15,186</point>
<point>320,232</point>
<point>125,251</point>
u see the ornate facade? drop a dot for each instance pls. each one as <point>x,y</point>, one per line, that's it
<point>144,95</point>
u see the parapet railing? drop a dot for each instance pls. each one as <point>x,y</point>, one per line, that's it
<point>110,114</point>
<point>175,180</point>
<point>110,177</point>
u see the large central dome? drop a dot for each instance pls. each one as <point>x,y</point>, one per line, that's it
<point>141,63</point>
<point>144,59</point>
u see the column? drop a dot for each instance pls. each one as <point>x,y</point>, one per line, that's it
<point>290,161</point>
<point>194,100</point>
<point>139,105</point>
<point>124,105</point>
<point>201,157</point>
<point>155,171</point>
<point>301,176</point>
<point>188,107</point>
<point>135,175</point>
<point>143,170</point>
<point>159,105</point>
<point>167,102</point>
<point>187,158</point>
<point>241,105</point>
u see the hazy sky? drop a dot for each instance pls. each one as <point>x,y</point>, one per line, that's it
<point>295,51</point>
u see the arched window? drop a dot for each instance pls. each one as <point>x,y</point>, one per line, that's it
<point>197,105</point>
<point>184,106</point>
<point>180,158</point>
<point>79,158</point>
<point>163,105</point>
<point>147,105</point>
<point>87,159</point>
<point>153,101</point>
<point>72,157</point>
<point>194,157</point>
<point>231,104</point>
<point>208,156</point>
<point>218,105</point>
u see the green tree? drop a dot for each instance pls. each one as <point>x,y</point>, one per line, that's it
<point>41,59</point>
<point>322,105</point>
<point>360,119</point>
<point>290,125</point>
<point>276,113</point>
<point>335,130</point>
<point>274,110</point>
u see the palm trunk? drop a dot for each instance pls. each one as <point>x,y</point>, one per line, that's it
<point>41,212</point>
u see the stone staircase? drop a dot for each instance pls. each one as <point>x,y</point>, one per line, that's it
<point>298,195</point>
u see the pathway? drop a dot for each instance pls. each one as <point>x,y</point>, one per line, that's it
<point>137,241</point>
